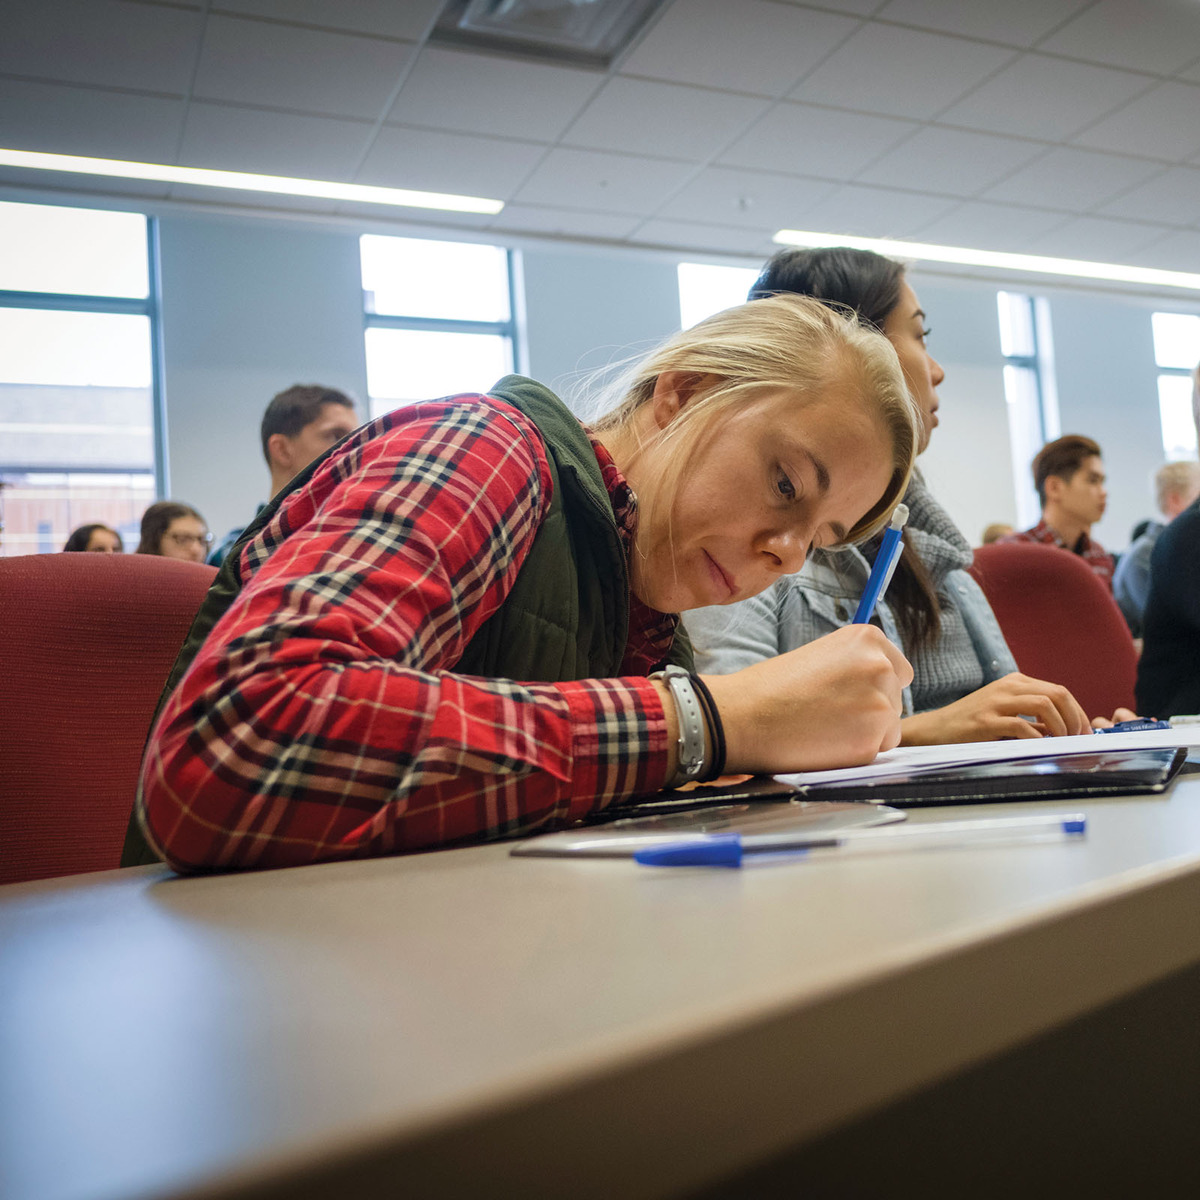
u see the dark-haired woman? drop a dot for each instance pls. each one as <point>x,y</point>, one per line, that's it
<point>966,686</point>
<point>94,539</point>
<point>174,530</point>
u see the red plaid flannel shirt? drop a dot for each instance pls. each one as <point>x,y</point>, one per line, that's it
<point>1092,553</point>
<point>322,718</point>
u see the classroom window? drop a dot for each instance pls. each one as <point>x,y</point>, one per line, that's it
<point>1029,390</point>
<point>80,422</point>
<point>439,318</point>
<point>705,289</point>
<point>1177,354</point>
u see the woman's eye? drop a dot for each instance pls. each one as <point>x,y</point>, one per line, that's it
<point>925,333</point>
<point>786,488</point>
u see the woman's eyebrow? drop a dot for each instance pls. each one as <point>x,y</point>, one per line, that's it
<point>822,472</point>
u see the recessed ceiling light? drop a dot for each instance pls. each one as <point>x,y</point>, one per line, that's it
<point>1079,268</point>
<point>589,33</point>
<point>245,182</point>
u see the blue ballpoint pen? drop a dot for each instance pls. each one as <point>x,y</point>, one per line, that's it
<point>885,565</point>
<point>729,849</point>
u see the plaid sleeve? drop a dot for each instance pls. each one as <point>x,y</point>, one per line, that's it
<point>322,718</point>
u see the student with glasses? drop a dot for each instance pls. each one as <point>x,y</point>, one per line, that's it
<point>174,530</point>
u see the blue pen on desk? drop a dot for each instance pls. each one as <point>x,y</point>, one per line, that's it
<point>1135,726</point>
<point>885,565</point>
<point>729,849</point>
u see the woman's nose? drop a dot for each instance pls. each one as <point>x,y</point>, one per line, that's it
<point>788,547</point>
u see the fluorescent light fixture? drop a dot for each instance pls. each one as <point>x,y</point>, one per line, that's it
<point>994,258</point>
<point>242,181</point>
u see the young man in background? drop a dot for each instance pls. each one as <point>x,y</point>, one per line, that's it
<point>299,425</point>
<point>1069,476</point>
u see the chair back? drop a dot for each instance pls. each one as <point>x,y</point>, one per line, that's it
<point>86,644</point>
<point>1060,621</point>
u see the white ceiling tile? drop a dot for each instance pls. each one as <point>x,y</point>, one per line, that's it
<point>1018,22</point>
<point>1164,123</point>
<point>227,138</point>
<point>807,140</point>
<point>701,238</point>
<point>1043,97</point>
<point>882,68</point>
<point>1174,252</point>
<point>1148,35</point>
<point>745,198</point>
<point>1072,179</point>
<point>853,8</point>
<point>751,46</point>
<point>749,199</point>
<point>56,119</point>
<point>479,93</point>
<point>562,222</point>
<point>874,212</point>
<point>1172,198</point>
<point>1095,239</point>
<point>448,162</point>
<point>101,42</point>
<point>644,117</point>
<point>613,183</point>
<point>950,161</point>
<point>281,66</point>
<point>409,19</point>
<point>990,226</point>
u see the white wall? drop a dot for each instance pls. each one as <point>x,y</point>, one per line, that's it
<point>586,309</point>
<point>1108,390</point>
<point>249,308</point>
<point>969,461</point>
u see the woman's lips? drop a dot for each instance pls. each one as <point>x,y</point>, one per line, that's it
<point>719,575</point>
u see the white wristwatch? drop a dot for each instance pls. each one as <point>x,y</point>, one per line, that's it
<point>693,729</point>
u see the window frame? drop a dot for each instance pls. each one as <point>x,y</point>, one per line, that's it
<point>1037,365</point>
<point>150,307</point>
<point>509,329</point>
<point>1188,373</point>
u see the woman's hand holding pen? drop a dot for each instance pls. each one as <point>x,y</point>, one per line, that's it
<point>1015,706</point>
<point>833,703</point>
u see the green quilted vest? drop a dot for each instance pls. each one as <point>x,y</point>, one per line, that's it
<point>567,615</point>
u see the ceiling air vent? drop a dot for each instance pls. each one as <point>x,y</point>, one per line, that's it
<point>589,33</point>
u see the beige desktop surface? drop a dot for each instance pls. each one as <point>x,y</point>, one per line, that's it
<point>466,1023</point>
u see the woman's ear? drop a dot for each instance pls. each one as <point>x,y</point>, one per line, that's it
<point>674,390</point>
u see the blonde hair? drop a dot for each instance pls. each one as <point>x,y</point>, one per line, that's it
<point>781,343</point>
<point>1175,479</point>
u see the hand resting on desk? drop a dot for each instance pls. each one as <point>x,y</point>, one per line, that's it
<point>1000,710</point>
<point>833,702</point>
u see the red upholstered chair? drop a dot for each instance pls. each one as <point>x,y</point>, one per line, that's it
<point>86,644</point>
<point>1060,621</point>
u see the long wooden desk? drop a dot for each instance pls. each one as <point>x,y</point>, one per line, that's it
<point>467,1024</point>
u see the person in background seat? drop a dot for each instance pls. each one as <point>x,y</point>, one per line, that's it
<point>174,530</point>
<point>1069,476</point>
<point>299,424</point>
<point>94,539</point>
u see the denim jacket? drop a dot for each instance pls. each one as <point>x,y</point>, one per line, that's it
<point>823,595</point>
